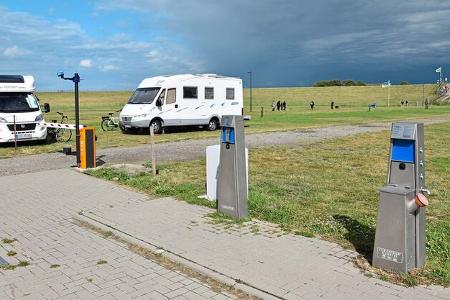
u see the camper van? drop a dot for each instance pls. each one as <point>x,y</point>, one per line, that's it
<point>20,111</point>
<point>182,100</point>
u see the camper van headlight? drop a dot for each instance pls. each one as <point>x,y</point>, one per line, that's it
<point>3,120</point>
<point>141,116</point>
<point>39,118</point>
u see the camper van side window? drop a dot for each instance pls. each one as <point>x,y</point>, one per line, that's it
<point>230,94</point>
<point>209,93</point>
<point>190,92</point>
<point>171,96</point>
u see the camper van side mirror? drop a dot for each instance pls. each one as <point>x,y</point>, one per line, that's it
<point>46,108</point>
<point>158,102</point>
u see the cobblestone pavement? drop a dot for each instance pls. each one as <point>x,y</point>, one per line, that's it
<point>191,149</point>
<point>257,253</point>
<point>67,261</point>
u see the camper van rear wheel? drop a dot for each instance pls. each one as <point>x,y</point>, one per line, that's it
<point>213,124</point>
<point>157,128</point>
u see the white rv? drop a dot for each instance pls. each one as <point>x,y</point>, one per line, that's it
<point>182,100</point>
<point>20,110</point>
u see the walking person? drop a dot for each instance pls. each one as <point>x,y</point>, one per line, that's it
<point>312,104</point>
<point>332,104</point>
<point>273,105</point>
<point>278,105</point>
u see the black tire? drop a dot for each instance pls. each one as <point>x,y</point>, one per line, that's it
<point>107,125</point>
<point>157,126</point>
<point>63,135</point>
<point>213,124</point>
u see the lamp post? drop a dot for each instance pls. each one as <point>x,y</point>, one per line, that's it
<point>76,79</point>
<point>251,96</point>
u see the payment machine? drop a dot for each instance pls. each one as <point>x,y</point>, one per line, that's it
<point>400,234</point>
<point>232,188</point>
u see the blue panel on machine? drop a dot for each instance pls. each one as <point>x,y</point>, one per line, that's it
<point>228,135</point>
<point>403,150</point>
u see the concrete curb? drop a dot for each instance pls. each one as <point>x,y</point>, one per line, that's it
<point>223,278</point>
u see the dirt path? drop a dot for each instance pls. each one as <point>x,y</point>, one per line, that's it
<point>191,149</point>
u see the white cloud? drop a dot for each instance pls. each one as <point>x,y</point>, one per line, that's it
<point>15,51</point>
<point>107,68</point>
<point>86,63</point>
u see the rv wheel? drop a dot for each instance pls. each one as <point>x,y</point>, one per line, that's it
<point>157,128</point>
<point>213,124</point>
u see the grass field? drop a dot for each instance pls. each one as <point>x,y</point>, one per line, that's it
<point>352,101</point>
<point>328,189</point>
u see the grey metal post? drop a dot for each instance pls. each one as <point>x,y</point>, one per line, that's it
<point>400,234</point>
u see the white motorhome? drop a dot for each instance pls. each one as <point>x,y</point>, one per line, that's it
<point>182,100</point>
<point>20,110</point>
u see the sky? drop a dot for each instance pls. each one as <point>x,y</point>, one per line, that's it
<point>114,44</point>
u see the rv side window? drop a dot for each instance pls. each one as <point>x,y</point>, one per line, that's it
<point>230,94</point>
<point>190,92</point>
<point>209,93</point>
<point>171,96</point>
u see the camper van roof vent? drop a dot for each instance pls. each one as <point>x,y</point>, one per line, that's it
<point>11,79</point>
<point>211,75</point>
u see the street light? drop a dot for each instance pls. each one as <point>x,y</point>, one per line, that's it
<point>76,79</point>
<point>251,98</point>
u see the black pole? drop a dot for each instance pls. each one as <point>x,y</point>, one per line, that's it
<point>251,98</point>
<point>76,79</point>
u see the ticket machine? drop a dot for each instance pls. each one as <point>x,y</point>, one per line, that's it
<point>232,188</point>
<point>400,233</point>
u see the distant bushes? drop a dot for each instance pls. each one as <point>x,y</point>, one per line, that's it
<point>337,82</point>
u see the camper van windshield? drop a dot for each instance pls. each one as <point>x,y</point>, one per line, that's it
<point>144,95</point>
<point>18,102</point>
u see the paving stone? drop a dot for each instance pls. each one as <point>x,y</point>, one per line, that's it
<point>40,216</point>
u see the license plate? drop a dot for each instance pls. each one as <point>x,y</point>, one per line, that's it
<point>23,136</point>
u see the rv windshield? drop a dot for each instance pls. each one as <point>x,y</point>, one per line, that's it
<point>144,95</point>
<point>18,102</point>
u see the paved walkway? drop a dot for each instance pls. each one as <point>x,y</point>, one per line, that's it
<point>39,215</point>
<point>191,149</point>
<point>65,259</point>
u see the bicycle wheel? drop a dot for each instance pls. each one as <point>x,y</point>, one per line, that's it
<point>63,135</point>
<point>107,125</point>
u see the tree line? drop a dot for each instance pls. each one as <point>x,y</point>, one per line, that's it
<point>338,82</point>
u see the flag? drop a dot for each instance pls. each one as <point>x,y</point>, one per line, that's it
<point>386,84</point>
<point>439,70</point>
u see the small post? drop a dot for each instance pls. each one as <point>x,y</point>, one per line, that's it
<point>152,144</point>
<point>262,111</point>
<point>15,134</point>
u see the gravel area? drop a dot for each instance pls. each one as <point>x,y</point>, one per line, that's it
<point>191,149</point>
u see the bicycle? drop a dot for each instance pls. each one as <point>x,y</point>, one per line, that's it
<point>109,122</point>
<point>60,134</point>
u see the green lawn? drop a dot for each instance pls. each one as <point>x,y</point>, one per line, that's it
<point>328,189</point>
<point>352,101</point>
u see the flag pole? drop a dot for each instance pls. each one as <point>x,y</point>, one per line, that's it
<point>389,94</point>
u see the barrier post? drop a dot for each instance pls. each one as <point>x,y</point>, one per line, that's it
<point>152,144</point>
<point>15,134</point>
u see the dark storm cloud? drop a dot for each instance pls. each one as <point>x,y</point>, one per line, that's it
<point>298,42</point>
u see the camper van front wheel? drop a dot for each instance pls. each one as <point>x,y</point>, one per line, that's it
<point>213,124</point>
<point>157,128</point>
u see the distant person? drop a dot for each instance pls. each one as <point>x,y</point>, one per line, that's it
<point>273,105</point>
<point>406,103</point>
<point>283,105</point>
<point>312,104</point>
<point>332,104</point>
<point>278,105</point>
<point>426,103</point>
<point>401,103</point>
